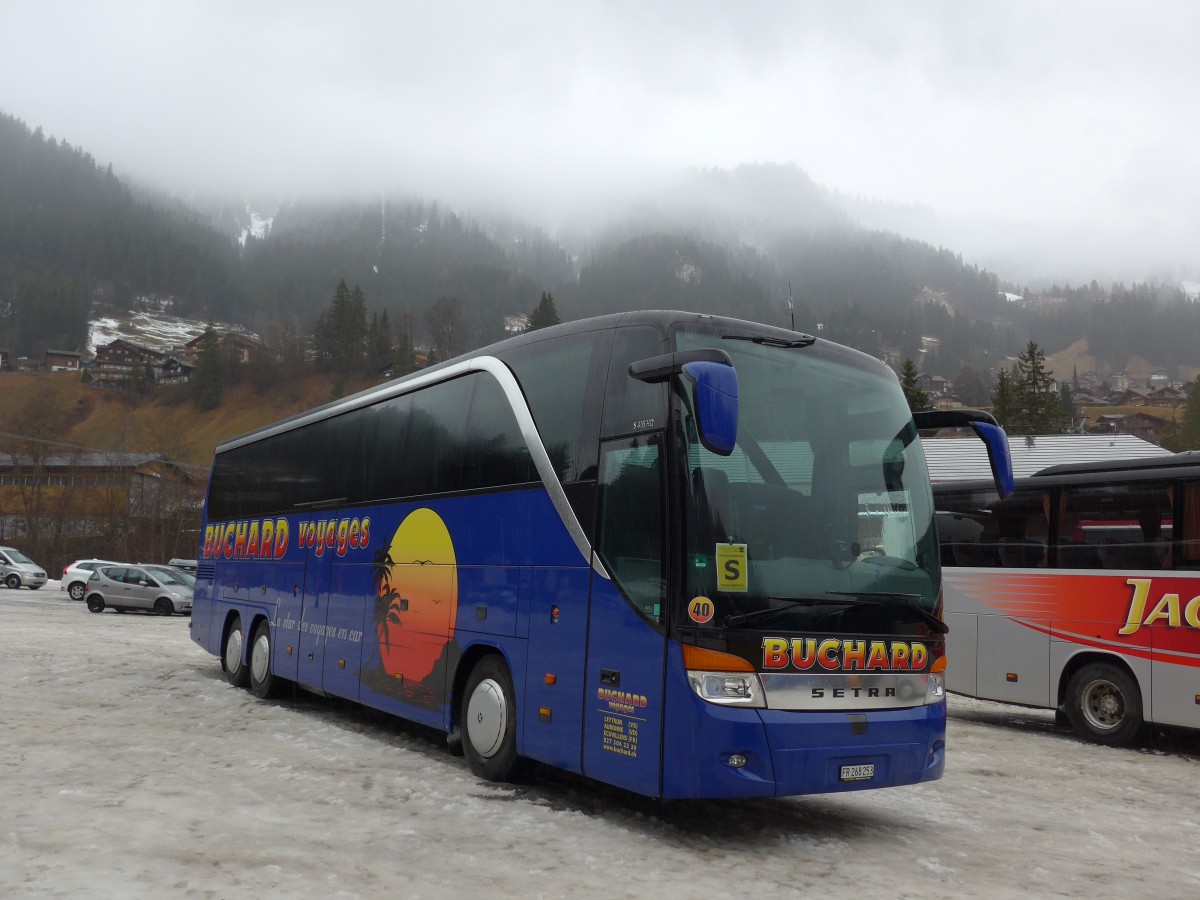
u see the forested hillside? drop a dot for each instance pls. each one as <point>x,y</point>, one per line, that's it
<point>72,233</point>
<point>761,242</point>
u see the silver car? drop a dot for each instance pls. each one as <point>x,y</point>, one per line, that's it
<point>175,572</point>
<point>123,587</point>
<point>17,569</point>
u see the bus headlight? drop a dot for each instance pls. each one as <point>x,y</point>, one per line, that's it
<point>728,688</point>
<point>935,692</point>
<point>723,678</point>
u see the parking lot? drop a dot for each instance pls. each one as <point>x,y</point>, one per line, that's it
<point>129,768</point>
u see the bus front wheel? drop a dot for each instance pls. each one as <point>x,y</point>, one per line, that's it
<point>262,678</point>
<point>232,656</point>
<point>1105,705</point>
<point>489,721</point>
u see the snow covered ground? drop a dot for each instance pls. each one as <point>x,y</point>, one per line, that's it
<point>129,768</point>
<point>155,330</point>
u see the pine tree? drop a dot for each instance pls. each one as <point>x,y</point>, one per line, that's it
<point>352,332</point>
<point>1004,399</point>
<point>205,383</point>
<point>1186,435</point>
<point>1038,404</point>
<point>1068,403</point>
<point>970,387</point>
<point>544,315</point>
<point>379,343</point>
<point>340,336</point>
<point>917,398</point>
<point>403,359</point>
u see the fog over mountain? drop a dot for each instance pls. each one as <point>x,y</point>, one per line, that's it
<point>1043,141</point>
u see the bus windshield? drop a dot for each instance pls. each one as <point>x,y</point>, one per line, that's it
<point>822,517</point>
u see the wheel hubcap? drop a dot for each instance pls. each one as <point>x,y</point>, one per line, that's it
<point>1103,705</point>
<point>233,651</point>
<point>487,718</point>
<point>260,657</point>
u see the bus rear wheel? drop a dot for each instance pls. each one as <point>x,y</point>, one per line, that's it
<point>1105,705</point>
<point>237,672</point>
<point>489,721</point>
<point>262,678</point>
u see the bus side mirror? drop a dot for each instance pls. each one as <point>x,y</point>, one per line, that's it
<point>714,390</point>
<point>999,456</point>
<point>986,428</point>
<point>715,399</point>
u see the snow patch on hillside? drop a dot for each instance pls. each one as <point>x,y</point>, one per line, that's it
<point>260,225</point>
<point>154,330</point>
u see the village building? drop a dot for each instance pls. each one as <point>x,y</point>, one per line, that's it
<point>88,492</point>
<point>118,362</point>
<point>63,360</point>
<point>237,347</point>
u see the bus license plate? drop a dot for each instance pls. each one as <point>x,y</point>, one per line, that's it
<point>858,773</point>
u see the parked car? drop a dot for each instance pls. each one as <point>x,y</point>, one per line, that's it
<point>75,576</point>
<point>123,587</point>
<point>175,572</point>
<point>188,565</point>
<point>17,569</point>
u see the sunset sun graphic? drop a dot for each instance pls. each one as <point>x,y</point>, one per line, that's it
<point>417,584</point>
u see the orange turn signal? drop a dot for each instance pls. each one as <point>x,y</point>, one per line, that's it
<point>700,659</point>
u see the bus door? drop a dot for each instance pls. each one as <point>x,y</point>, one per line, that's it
<point>314,613</point>
<point>623,693</point>
<point>1013,641</point>
<point>283,584</point>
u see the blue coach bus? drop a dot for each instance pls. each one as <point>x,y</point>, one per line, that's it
<point>689,556</point>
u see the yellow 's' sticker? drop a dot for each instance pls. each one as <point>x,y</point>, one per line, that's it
<point>731,567</point>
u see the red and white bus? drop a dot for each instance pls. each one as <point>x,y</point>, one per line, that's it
<point>1079,592</point>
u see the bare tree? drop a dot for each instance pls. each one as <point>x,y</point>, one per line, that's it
<point>446,326</point>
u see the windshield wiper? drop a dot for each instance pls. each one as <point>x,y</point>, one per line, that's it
<point>805,340</point>
<point>756,614</point>
<point>935,624</point>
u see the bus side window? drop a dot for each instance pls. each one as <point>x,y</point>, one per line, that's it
<point>630,531</point>
<point>1189,543</point>
<point>1023,523</point>
<point>436,439</point>
<point>561,378</point>
<point>631,405</point>
<point>966,525</point>
<point>1115,526</point>
<point>496,454</point>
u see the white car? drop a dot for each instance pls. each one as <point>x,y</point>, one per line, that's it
<point>75,576</point>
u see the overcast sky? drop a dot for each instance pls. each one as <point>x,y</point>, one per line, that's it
<point>1056,113</point>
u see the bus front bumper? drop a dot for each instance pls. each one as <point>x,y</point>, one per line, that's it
<point>728,752</point>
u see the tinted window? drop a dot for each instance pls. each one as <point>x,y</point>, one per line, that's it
<point>495,453</point>
<point>556,375</point>
<point>1120,526</point>
<point>631,405</point>
<point>976,528</point>
<point>1189,537</point>
<point>631,523</point>
<point>377,455</point>
<point>436,433</point>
